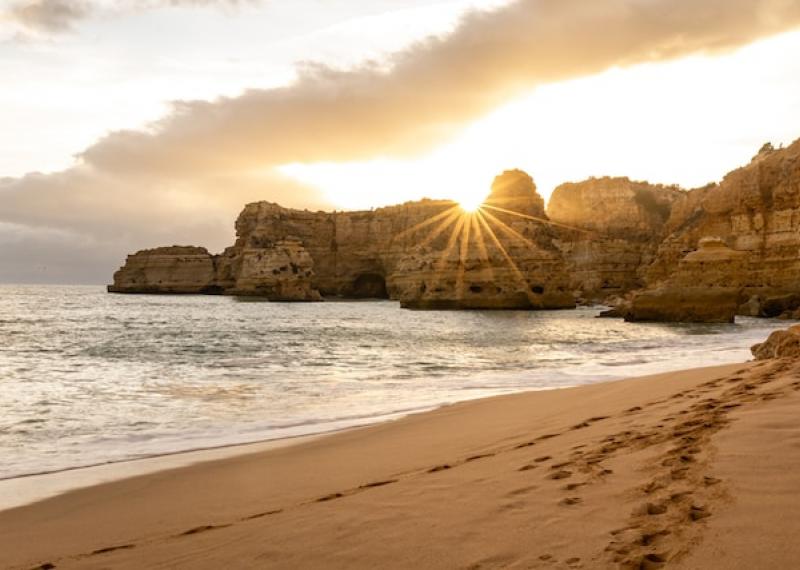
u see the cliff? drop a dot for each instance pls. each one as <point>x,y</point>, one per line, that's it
<point>426,254</point>
<point>700,289</point>
<point>175,269</point>
<point>698,255</point>
<point>755,210</point>
<point>753,216</point>
<point>610,229</point>
<point>503,256</point>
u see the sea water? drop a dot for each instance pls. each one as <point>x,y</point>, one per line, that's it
<point>88,378</point>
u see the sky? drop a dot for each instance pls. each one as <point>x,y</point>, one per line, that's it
<point>135,123</point>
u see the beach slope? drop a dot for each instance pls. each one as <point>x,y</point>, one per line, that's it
<point>693,469</point>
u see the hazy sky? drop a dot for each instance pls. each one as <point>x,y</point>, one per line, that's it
<point>134,123</point>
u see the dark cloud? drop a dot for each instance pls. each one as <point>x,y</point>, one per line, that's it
<point>56,16</point>
<point>49,15</point>
<point>191,171</point>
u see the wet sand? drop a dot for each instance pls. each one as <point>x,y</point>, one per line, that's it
<point>692,469</point>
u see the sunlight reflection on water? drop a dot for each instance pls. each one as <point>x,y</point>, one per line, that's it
<point>89,377</point>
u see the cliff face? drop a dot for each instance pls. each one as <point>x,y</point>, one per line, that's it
<point>175,269</point>
<point>610,229</point>
<point>599,239</point>
<point>699,290</point>
<point>755,210</point>
<point>502,256</point>
<point>427,254</point>
<point>732,247</point>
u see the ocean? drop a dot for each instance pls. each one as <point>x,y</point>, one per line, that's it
<point>89,378</point>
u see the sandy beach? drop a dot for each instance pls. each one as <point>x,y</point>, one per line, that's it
<point>694,469</point>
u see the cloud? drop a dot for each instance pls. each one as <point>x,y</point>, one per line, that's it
<point>197,165</point>
<point>57,16</point>
<point>434,87</point>
<point>49,15</point>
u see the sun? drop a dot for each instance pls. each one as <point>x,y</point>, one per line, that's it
<point>471,203</point>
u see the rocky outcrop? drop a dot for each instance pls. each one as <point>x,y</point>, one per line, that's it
<point>754,210</point>
<point>175,269</point>
<point>427,254</point>
<point>283,271</point>
<point>754,256</point>
<point>699,255</point>
<point>502,256</point>
<point>780,344</point>
<point>679,305</point>
<point>698,291</point>
<point>610,229</point>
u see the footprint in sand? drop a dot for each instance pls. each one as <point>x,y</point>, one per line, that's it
<point>564,474</point>
<point>204,528</point>
<point>654,509</point>
<point>570,501</point>
<point>108,549</point>
<point>477,457</point>
<point>651,562</point>
<point>697,513</point>
<point>264,514</point>
<point>379,483</point>
<point>330,497</point>
<point>650,538</point>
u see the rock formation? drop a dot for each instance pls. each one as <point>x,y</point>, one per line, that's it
<point>780,344</point>
<point>756,210</point>
<point>176,269</point>
<point>610,231</point>
<point>699,290</point>
<point>426,254</point>
<point>754,214</point>
<point>698,255</point>
<point>501,257</point>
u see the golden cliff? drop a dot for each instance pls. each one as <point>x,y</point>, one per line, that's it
<point>752,221</point>
<point>426,254</point>
<point>664,253</point>
<point>610,231</point>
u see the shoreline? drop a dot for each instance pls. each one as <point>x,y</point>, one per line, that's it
<point>413,492</point>
<point>73,475</point>
<point>29,488</point>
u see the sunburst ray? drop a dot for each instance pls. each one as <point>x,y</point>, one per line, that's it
<point>463,254</point>
<point>430,221</point>
<point>508,229</point>
<point>511,263</point>
<point>538,219</point>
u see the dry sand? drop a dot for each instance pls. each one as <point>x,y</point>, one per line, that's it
<point>695,469</point>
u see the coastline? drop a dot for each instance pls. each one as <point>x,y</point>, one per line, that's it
<point>503,481</point>
<point>28,488</point>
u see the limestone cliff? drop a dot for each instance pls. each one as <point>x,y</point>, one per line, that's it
<point>426,254</point>
<point>175,269</point>
<point>753,261</point>
<point>699,290</point>
<point>755,210</point>
<point>502,256</point>
<point>698,255</point>
<point>610,229</point>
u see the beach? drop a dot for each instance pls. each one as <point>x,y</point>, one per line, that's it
<point>691,469</point>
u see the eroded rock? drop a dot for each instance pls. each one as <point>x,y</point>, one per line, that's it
<point>779,344</point>
<point>609,230</point>
<point>172,269</point>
